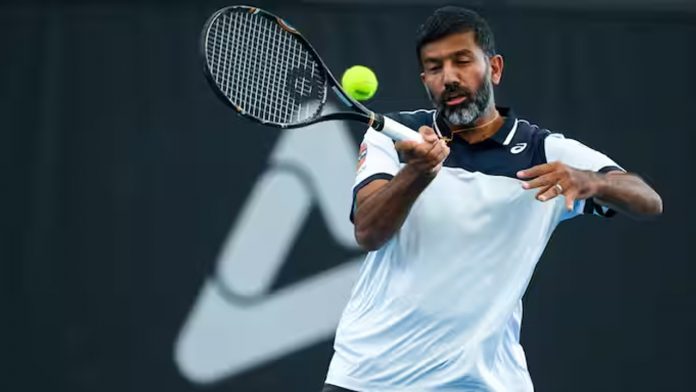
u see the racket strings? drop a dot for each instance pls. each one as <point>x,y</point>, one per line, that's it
<point>264,69</point>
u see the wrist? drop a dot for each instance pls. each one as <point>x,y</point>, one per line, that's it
<point>600,184</point>
<point>418,174</point>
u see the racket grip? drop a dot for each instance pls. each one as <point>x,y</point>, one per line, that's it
<point>396,130</point>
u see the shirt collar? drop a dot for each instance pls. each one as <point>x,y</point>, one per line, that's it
<point>503,136</point>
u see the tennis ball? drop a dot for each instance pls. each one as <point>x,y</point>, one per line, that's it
<point>359,82</point>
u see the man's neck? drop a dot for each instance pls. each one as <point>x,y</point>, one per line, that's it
<point>484,127</point>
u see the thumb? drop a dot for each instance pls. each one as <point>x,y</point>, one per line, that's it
<point>427,133</point>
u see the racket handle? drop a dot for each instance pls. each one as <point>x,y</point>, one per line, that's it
<point>395,130</point>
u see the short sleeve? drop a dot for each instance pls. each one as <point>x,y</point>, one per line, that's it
<point>377,160</point>
<point>579,156</point>
<point>377,157</point>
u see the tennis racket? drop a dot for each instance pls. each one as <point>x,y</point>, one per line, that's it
<point>270,73</point>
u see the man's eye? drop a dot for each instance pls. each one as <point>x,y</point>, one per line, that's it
<point>463,61</point>
<point>434,68</point>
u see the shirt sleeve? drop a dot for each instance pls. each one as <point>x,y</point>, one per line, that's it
<point>579,156</point>
<point>377,159</point>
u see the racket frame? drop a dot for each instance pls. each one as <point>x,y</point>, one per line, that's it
<point>360,113</point>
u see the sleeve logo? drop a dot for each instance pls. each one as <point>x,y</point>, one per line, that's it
<point>361,156</point>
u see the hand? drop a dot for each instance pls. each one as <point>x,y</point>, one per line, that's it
<point>427,156</point>
<point>556,178</point>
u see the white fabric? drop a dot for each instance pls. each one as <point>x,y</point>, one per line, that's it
<point>574,154</point>
<point>579,156</point>
<point>380,156</point>
<point>438,307</point>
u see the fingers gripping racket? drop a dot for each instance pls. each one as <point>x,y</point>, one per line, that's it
<point>270,73</point>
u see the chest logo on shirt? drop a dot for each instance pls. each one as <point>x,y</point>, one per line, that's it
<point>518,148</point>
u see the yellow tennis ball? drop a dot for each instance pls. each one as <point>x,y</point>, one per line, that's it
<point>359,82</point>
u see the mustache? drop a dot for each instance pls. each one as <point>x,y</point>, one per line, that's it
<point>454,91</point>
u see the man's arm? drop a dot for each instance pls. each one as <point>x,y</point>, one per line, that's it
<point>623,192</point>
<point>382,206</point>
<point>628,194</point>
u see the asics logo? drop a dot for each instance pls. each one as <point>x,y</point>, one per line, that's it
<point>518,148</point>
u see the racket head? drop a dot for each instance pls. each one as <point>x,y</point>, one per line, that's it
<point>264,68</point>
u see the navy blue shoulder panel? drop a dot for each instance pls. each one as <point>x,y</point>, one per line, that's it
<point>537,136</point>
<point>491,157</point>
<point>525,149</point>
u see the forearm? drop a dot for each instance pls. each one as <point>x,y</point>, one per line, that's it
<point>381,213</point>
<point>628,194</point>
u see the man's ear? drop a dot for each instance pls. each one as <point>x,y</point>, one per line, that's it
<point>497,65</point>
<point>427,91</point>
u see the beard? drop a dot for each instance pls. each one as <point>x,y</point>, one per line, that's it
<point>467,112</point>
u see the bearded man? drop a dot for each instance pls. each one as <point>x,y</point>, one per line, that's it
<point>455,225</point>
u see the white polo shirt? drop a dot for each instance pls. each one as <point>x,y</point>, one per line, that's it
<point>438,307</point>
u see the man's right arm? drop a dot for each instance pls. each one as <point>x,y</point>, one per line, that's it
<point>383,205</point>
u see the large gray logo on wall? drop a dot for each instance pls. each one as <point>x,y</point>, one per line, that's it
<point>223,336</point>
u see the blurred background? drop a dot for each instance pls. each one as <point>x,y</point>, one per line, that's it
<point>131,196</point>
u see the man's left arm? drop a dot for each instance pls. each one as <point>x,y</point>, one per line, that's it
<point>624,192</point>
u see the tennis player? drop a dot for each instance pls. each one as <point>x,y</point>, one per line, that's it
<point>455,226</point>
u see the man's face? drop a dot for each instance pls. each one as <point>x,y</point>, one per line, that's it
<point>459,77</point>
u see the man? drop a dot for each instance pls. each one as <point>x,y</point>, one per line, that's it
<point>455,226</point>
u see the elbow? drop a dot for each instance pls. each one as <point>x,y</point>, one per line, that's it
<point>651,209</point>
<point>367,238</point>
<point>656,205</point>
<point>653,206</point>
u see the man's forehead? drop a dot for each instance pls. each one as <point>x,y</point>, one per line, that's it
<point>450,44</point>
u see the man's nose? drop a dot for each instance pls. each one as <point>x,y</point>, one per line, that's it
<point>450,75</point>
